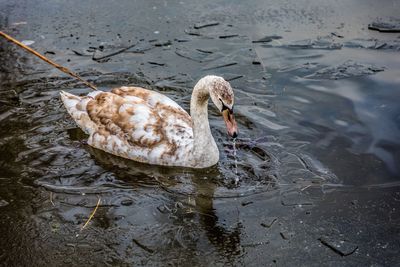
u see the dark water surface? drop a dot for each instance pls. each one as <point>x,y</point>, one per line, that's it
<point>314,178</point>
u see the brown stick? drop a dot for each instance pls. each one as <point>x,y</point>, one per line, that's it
<point>91,215</point>
<point>61,68</point>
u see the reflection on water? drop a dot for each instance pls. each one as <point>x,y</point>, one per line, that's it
<point>302,134</point>
<point>354,116</point>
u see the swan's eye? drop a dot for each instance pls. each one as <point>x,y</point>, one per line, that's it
<point>223,105</point>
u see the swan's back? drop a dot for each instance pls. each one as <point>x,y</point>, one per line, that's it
<point>134,123</point>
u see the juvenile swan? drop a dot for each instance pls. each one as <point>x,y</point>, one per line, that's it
<point>146,126</point>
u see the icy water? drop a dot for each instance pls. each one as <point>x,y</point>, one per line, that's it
<point>313,177</point>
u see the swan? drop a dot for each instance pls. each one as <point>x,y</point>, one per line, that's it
<point>149,127</point>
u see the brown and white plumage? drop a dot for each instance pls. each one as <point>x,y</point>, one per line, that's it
<point>146,126</point>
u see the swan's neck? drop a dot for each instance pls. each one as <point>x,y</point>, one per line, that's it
<point>205,150</point>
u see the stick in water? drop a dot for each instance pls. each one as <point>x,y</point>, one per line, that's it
<point>91,215</point>
<point>61,68</point>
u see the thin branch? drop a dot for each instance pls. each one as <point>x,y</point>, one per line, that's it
<point>112,54</point>
<point>91,215</point>
<point>51,198</point>
<point>61,68</point>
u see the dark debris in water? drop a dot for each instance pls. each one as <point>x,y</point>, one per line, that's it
<point>205,24</point>
<point>127,202</point>
<point>267,39</point>
<point>156,63</point>
<point>232,77</point>
<point>206,51</point>
<point>246,203</point>
<point>181,40</point>
<point>340,246</point>
<point>268,222</point>
<point>97,56</point>
<point>346,70</point>
<point>227,36</point>
<point>142,246</point>
<point>385,25</point>
<point>286,235</point>
<point>163,43</point>
<point>195,54</point>
<point>337,35</point>
<point>81,54</point>
<point>192,32</point>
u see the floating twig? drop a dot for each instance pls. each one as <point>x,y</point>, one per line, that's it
<point>112,54</point>
<point>51,198</point>
<point>234,78</point>
<point>206,24</point>
<point>91,215</point>
<point>228,36</point>
<point>146,248</point>
<point>61,68</point>
<point>156,63</point>
<point>304,188</point>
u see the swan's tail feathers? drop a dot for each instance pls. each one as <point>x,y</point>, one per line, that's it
<point>76,107</point>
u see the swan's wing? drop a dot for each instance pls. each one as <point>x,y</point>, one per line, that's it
<point>130,127</point>
<point>152,98</point>
<point>174,116</point>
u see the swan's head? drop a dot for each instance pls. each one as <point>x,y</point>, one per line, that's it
<point>221,94</point>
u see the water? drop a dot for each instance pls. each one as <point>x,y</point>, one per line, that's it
<point>235,159</point>
<point>315,155</point>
